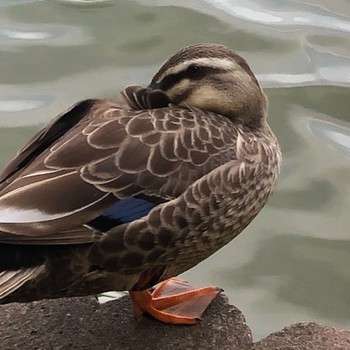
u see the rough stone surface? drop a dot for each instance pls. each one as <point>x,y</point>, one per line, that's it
<point>306,336</point>
<point>82,323</point>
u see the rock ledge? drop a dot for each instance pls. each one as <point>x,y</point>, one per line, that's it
<point>83,323</point>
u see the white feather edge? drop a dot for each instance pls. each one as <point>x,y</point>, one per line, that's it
<point>42,172</point>
<point>12,280</point>
<point>13,215</point>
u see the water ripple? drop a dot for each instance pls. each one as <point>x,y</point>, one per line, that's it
<point>298,14</point>
<point>13,104</point>
<point>18,35</point>
<point>335,135</point>
<point>86,3</point>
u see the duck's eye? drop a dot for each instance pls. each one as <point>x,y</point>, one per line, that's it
<point>194,71</point>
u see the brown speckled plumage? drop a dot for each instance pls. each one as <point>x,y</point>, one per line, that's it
<point>211,172</point>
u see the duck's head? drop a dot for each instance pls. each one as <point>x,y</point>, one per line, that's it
<point>212,77</point>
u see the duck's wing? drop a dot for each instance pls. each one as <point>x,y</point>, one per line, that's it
<point>71,175</point>
<point>45,138</point>
<point>32,193</point>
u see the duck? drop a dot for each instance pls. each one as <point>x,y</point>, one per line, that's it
<point>125,194</point>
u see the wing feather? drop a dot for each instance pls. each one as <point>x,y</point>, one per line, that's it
<point>12,280</point>
<point>95,154</point>
<point>46,137</point>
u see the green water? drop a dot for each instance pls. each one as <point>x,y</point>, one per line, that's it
<point>292,262</point>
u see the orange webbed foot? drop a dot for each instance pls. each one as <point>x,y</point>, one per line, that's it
<point>174,301</point>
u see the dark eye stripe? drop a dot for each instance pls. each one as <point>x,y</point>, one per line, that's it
<point>172,79</point>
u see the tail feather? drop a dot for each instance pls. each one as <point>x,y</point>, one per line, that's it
<point>11,280</point>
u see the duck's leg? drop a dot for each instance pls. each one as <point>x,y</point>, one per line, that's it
<point>174,301</point>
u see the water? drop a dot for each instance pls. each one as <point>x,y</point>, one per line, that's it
<point>292,262</point>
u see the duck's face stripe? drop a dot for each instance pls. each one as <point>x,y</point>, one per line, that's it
<point>186,69</point>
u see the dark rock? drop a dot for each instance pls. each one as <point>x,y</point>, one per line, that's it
<point>306,336</point>
<point>82,323</point>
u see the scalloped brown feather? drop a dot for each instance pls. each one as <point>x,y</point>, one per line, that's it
<point>214,174</point>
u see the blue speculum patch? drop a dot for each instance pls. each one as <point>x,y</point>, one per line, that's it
<point>124,211</point>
